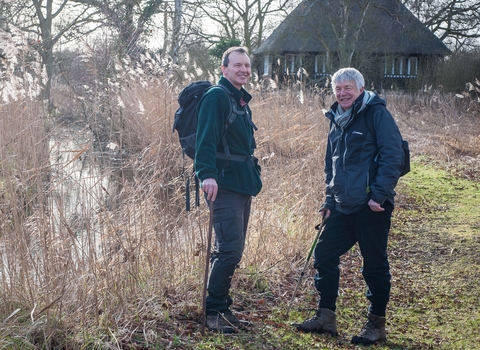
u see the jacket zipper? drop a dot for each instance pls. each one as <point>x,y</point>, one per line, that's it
<point>368,182</point>
<point>345,151</point>
<point>368,173</point>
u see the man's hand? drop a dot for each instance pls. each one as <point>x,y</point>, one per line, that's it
<point>375,206</point>
<point>210,187</point>
<point>324,212</point>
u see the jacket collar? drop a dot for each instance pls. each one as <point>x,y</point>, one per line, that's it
<point>242,93</point>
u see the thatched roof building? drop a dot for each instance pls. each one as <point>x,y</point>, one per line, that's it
<point>385,40</point>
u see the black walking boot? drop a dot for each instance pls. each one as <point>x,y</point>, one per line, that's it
<point>219,323</point>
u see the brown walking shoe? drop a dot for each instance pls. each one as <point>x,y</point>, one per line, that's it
<point>324,321</point>
<point>372,332</point>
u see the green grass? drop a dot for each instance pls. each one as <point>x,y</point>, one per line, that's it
<point>448,201</point>
<point>437,277</point>
<point>434,254</point>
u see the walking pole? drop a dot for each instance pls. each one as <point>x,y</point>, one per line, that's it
<point>319,228</point>
<point>207,266</point>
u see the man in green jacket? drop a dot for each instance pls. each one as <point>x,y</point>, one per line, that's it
<point>229,180</point>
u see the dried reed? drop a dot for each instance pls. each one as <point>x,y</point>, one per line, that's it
<point>115,259</point>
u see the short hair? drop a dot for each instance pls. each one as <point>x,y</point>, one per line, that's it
<point>348,74</point>
<point>240,49</point>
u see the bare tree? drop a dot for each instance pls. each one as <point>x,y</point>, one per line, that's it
<point>177,23</point>
<point>181,28</point>
<point>46,22</point>
<point>11,12</point>
<point>243,19</point>
<point>455,22</point>
<point>129,18</point>
<point>344,22</point>
<point>348,28</point>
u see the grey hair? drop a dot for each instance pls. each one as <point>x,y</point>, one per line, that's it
<point>348,74</point>
<point>225,58</point>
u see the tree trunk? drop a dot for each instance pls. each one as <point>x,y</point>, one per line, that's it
<point>177,24</point>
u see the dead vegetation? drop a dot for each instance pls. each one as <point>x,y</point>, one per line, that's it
<point>130,274</point>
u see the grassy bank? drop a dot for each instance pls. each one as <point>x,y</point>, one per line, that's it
<point>435,266</point>
<point>124,269</point>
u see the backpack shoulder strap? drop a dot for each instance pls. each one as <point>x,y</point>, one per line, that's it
<point>233,105</point>
<point>369,122</point>
<point>371,127</point>
<point>234,111</point>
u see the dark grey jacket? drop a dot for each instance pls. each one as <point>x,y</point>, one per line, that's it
<point>364,159</point>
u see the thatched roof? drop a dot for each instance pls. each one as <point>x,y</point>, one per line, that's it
<point>389,28</point>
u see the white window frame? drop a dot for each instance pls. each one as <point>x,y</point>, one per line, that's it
<point>411,60</point>
<point>293,63</point>
<point>321,62</point>
<point>289,64</point>
<point>401,67</point>
<point>266,65</point>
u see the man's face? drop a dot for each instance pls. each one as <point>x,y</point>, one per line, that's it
<point>347,93</point>
<point>238,70</point>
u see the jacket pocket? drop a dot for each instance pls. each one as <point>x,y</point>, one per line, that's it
<point>225,225</point>
<point>355,148</point>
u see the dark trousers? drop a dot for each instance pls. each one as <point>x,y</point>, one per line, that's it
<point>231,212</point>
<point>370,229</point>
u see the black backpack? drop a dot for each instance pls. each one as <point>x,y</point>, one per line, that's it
<point>406,158</point>
<point>405,147</point>
<point>185,122</point>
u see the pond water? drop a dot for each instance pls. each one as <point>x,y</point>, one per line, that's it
<point>83,183</point>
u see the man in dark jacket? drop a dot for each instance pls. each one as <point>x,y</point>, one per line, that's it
<point>229,179</point>
<point>363,163</point>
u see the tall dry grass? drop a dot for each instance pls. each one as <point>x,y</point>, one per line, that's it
<point>129,258</point>
<point>442,127</point>
<point>23,178</point>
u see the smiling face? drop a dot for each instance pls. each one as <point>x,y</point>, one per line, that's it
<point>346,93</point>
<point>238,69</point>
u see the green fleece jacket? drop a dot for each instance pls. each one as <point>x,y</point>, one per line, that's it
<point>235,176</point>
